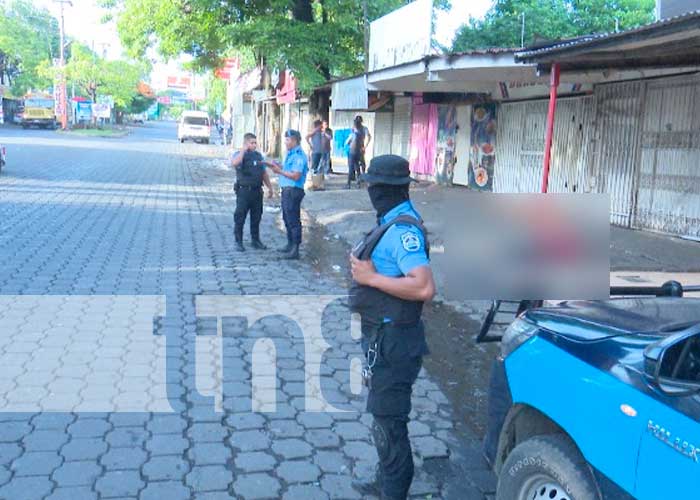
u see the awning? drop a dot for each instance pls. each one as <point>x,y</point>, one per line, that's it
<point>673,42</point>
<point>350,94</point>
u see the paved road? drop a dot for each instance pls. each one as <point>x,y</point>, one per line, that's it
<point>138,350</point>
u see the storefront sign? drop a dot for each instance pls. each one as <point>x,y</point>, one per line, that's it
<point>403,36</point>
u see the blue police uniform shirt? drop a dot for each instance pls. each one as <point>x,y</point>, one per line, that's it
<point>295,162</point>
<point>402,247</point>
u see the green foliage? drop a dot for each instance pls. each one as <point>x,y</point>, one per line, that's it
<point>316,39</point>
<point>550,19</point>
<point>29,39</point>
<point>216,95</point>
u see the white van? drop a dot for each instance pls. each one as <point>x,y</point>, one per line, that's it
<point>194,125</point>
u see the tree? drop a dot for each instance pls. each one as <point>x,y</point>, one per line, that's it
<point>550,19</point>
<point>316,39</point>
<point>28,41</point>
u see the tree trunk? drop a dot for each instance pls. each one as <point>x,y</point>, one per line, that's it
<point>302,11</point>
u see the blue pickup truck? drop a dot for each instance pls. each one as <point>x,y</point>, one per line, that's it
<point>594,400</point>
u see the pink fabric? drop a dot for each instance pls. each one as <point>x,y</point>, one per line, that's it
<point>423,137</point>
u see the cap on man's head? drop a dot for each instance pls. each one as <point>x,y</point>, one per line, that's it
<point>293,133</point>
<point>388,169</point>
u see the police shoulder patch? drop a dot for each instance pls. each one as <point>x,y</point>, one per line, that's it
<point>410,241</point>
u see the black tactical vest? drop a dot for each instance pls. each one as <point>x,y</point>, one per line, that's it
<point>250,171</point>
<point>372,304</point>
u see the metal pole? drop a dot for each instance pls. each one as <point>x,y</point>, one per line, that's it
<point>522,32</point>
<point>365,19</point>
<point>553,84</point>
<point>62,57</point>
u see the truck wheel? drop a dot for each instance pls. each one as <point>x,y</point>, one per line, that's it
<point>546,467</point>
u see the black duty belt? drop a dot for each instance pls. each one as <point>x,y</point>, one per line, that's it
<point>285,188</point>
<point>251,188</point>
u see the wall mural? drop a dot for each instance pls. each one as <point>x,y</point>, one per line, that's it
<point>447,132</point>
<point>483,147</point>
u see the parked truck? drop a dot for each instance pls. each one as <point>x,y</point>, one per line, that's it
<point>39,111</point>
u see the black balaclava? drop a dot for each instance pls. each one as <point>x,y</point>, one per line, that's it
<point>384,197</point>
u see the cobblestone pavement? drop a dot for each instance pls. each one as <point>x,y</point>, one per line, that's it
<point>137,348</point>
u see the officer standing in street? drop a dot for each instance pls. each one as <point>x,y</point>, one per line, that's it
<point>391,281</point>
<point>292,177</point>
<point>250,176</point>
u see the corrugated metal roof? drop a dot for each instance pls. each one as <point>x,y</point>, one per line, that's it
<point>592,39</point>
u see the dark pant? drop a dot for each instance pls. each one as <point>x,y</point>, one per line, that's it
<point>389,401</point>
<point>248,199</point>
<point>316,162</point>
<point>291,213</point>
<point>353,166</point>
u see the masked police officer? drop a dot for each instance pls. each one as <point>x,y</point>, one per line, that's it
<point>391,281</point>
<point>251,174</point>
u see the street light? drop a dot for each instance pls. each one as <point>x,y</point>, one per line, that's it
<point>62,59</point>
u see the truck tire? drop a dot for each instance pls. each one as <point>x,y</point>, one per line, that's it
<point>546,467</point>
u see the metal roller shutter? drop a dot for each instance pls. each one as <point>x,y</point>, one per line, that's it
<point>383,123</point>
<point>401,127</point>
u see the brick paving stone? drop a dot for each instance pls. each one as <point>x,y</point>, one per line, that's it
<point>166,444</point>
<point>5,474</point>
<point>256,486</point>
<point>209,478</point>
<point>26,488</point>
<point>8,452</point>
<point>291,448</point>
<point>87,428</point>
<point>256,461</point>
<point>285,429</point>
<point>36,463</point>
<point>45,440</point>
<point>339,486</point>
<point>170,490</point>
<point>207,432</point>
<point>331,461</point>
<point>249,440</point>
<point>84,449</point>
<point>73,493</point>
<point>213,495</point>
<point>429,447</point>
<point>352,430</point>
<point>322,438</point>
<point>209,454</point>
<point>76,473</point>
<point>165,468</point>
<point>127,437</point>
<point>245,421</point>
<point>315,420</point>
<point>119,484</point>
<point>306,492</point>
<point>360,450</point>
<point>298,471</point>
<point>123,458</point>
<point>13,431</point>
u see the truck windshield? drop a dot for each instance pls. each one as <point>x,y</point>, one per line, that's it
<point>38,103</point>
<point>196,120</point>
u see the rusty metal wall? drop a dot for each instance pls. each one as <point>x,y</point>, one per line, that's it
<point>618,134</point>
<point>520,146</point>
<point>668,196</point>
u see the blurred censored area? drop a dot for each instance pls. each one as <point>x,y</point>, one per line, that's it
<point>527,246</point>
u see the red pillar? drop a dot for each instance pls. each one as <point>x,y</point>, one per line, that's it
<point>553,84</point>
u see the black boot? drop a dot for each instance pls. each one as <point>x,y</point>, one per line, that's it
<point>258,245</point>
<point>293,253</point>
<point>239,246</point>
<point>286,249</point>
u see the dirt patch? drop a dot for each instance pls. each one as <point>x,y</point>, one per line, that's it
<point>457,364</point>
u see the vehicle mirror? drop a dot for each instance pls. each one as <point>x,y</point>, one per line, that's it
<point>674,363</point>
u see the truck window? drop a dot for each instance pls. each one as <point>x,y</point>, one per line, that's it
<point>38,103</point>
<point>196,120</point>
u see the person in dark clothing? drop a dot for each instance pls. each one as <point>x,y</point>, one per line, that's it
<point>327,148</point>
<point>368,137</point>
<point>356,141</point>
<point>250,177</point>
<point>391,281</point>
<point>315,141</point>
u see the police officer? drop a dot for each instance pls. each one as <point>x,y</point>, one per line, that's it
<point>391,281</point>
<point>250,176</point>
<point>291,179</point>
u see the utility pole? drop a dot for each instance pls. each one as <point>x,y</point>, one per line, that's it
<point>522,32</point>
<point>365,22</point>
<point>62,62</point>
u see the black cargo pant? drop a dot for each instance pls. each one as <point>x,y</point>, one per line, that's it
<point>291,213</point>
<point>248,199</point>
<point>400,358</point>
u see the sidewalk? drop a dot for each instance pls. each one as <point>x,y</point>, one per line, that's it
<point>636,257</point>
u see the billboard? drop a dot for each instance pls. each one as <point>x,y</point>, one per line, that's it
<point>179,82</point>
<point>403,36</point>
<point>101,110</point>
